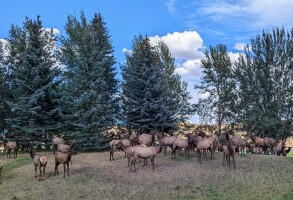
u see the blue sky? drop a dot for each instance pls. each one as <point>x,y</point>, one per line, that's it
<point>186,26</point>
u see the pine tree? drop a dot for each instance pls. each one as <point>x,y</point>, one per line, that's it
<point>34,79</point>
<point>217,82</point>
<point>91,88</point>
<point>149,88</point>
<point>265,76</point>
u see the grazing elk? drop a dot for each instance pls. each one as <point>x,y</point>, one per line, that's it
<point>12,146</point>
<point>149,139</point>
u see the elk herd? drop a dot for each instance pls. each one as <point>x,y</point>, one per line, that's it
<point>63,150</point>
<point>147,145</point>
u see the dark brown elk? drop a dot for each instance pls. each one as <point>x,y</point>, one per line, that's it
<point>12,146</point>
<point>145,153</point>
<point>269,143</point>
<point>228,151</point>
<point>39,161</point>
<point>63,158</point>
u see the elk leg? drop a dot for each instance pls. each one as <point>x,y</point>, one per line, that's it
<point>36,171</point>
<point>67,169</point>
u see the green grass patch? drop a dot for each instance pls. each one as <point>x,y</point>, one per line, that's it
<point>289,155</point>
<point>11,164</point>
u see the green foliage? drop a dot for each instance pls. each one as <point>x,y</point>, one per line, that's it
<point>217,82</point>
<point>153,97</point>
<point>264,77</point>
<point>90,88</point>
<point>33,77</point>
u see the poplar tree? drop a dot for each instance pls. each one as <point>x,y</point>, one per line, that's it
<point>264,74</point>
<point>218,85</point>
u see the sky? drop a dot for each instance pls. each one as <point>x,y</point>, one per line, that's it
<point>186,26</point>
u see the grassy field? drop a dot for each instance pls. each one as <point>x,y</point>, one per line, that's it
<point>93,176</point>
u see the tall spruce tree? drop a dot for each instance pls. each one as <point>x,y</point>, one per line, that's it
<point>33,79</point>
<point>182,106</point>
<point>91,103</point>
<point>265,76</point>
<point>149,88</point>
<point>217,82</point>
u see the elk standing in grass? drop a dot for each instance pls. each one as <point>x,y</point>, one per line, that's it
<point>228,151</point>
<point>180,143</point>
<point>113,147</point>
<point>145,153</point>
<point>168,141</point>
<point>269,143</point>
<point>129,150</point>
<point>259,142</point>
<point>206,144</point>
<point>12,146</point>
<point>56,141</point>
<point>63,158</point>
<point>39,161</point>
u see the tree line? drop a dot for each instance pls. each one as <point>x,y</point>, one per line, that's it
<point>67,84</point>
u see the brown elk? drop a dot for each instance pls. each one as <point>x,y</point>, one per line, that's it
<point>228,151</point>
<point>39,161</point>
<point>149,139</point>
<point>145,153</point>
<point>269,143</point>
<point>129,150</point>
<point>180,143</point>
<point>12,146</point>
<point>205,144</point>
<point>63,158</point>
<point>238,142</point>
<point>258,141</point>
<point>168,141</point>
<point>113,147</point>
<point>56,141</point>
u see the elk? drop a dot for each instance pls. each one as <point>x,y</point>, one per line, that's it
<point>113,147</point>
<point>129,150</point>
<point>180,143</point>
<point>145,153</point>
<point>269,143</point>
<point>239,142</point>
<point>259,142</point>
<point>12,146</point>
<point>228,151</point>
<point>168,141</point>
<point>39,161</point>
<point>63,158</point>
<point>205,144</point>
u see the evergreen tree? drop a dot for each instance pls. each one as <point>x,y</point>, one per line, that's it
<point>149,88</point>
<point>182,106</point>
<point>33,80</point>
<point>91,103</point>
<point>265,76</point>
<point>217,82</point>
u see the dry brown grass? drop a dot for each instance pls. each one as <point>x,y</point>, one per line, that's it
<point>93,176</point>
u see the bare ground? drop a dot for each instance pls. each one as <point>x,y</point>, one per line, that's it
<point>93,176</point>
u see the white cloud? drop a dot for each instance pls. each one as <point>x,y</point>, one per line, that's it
<point>190,68</point>
<point>233,56</point>
<point>55,30</point>
<point>186,45</point>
